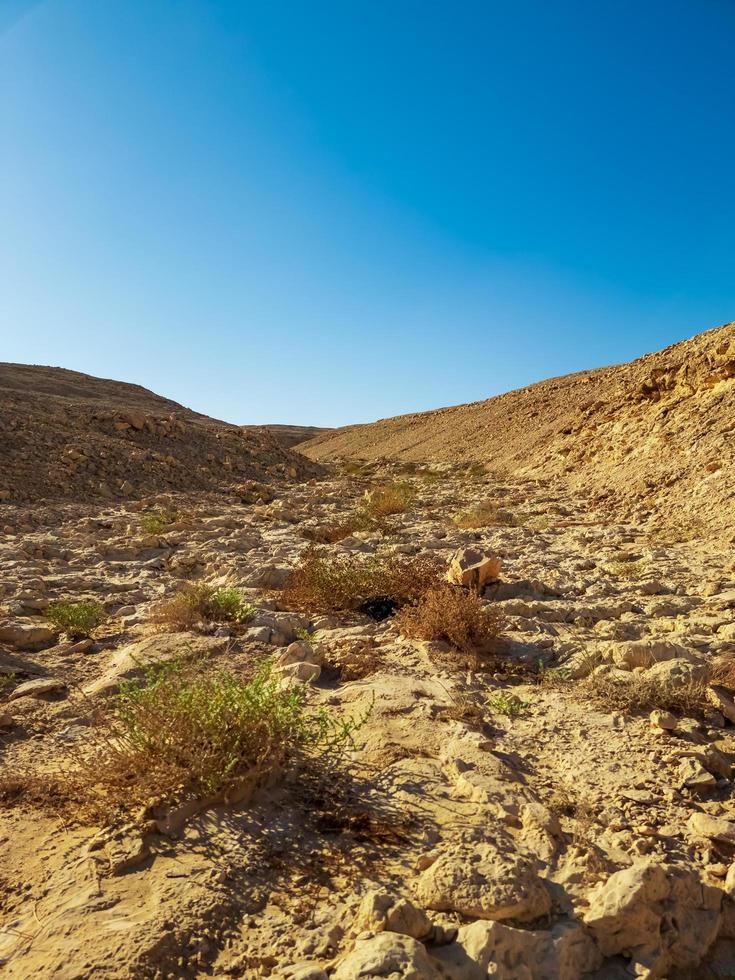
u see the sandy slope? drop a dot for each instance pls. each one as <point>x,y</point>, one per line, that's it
<point>656,434</point>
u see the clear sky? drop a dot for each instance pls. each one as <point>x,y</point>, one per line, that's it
<point>327,211</point>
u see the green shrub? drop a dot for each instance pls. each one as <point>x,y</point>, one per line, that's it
<point>506,704</point>
<point>77,619</point>
<point>158,521</point>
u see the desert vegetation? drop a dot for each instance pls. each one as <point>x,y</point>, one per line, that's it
<point>200,602</point>
<point>77,619</point>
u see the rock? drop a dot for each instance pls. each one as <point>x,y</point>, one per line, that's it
<point>299,652</point>
<point>36,688</point>
<point>679,672</point>
<point>387,955</point>
<point>693,775</point>
<point>473,568</point>
<point>713,828</point>
<point>663,720</point>
<point>6,719</point>
<point>664,918</point>
<point>495,949</point>
<point>723,701</point>
<point>481,882</point>
<point>646,653</point>
<point>268,577</point>
<point>24,636</point>
<point>304,672</point>
<point>380,912</point>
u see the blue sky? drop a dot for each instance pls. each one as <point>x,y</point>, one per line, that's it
<point>328,212</point>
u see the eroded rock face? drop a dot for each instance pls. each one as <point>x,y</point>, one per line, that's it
<point>495,949</point>
<point>664,918</point>
<point>478,881</point>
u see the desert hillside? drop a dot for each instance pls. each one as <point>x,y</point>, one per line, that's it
<point>68,435</point>
<point>290,435</point>
<point>656,434</point>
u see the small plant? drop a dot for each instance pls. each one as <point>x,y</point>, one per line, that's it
<point>200,602</point>
<point>446,612</point>
<point>7,683</point>
<point>158,521</point>
<point>485,514</point>
<point>328,582</point>
<point>639,693</point>
<point>393,498</point>
<point>181,734</point>
<point>627,569</point>
<point>538,522</point>
<point>305,635</point>
<point>553,676</point>
<point>77,619</point>
<point>506,704</point>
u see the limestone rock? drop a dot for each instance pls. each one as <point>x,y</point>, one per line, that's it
<point>495,949</point>
<point>479,881</point>
<point>37,688</point>
<point>473,568</point>
<point>24,636</point>
<point>664,918</point>
<point>380,912</point>
<point>387,955</point>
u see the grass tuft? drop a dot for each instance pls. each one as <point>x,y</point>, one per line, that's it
<point>485,514</point>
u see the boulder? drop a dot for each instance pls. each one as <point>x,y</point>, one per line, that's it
<point>380,912</point>
<point>663,918</point>
<point>481,882</point>
<point>473,568</point>
<point>495,949</point>
<point>387,955</point>
<point>131,661</point>
<point>37,688</point>
<point>27,636</point>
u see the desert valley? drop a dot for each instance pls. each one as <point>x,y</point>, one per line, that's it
<point>447,696</point>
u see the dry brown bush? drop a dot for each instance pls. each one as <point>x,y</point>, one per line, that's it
<point>485,514</point>
<point>446,612</point>
<point>393,498</point>
<point>640,694</point>
<point>723,671</point>
<point>324,582</point>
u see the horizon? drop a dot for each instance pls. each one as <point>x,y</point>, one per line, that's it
<point>455,204</point>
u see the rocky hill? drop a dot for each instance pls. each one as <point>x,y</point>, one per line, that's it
<point>68,435</point>
<point>656,435</point>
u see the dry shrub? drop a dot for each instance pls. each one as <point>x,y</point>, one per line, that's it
<point>485,514</point>
<point>199,602</point>
<point>393,498</point>
<point>446,612</point>
<point>640,694</point>
<point>180,735</point>
<point>723,671</point>
<point>325,582</point>
<point>357,520</point>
